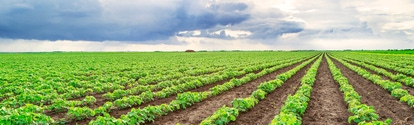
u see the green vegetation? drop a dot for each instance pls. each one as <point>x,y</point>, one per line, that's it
<point>391,51</point>
<point>35,87</point>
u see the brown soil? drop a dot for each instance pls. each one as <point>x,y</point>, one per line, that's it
<point>263,112</point>
<point>199,111</point>
<point>57,116</point>
<point>327,105</point>
<point>373,95</point>
<point>405,87</point>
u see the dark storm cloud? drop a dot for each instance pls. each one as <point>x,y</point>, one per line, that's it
<point>358,30</point>
<point>269,24</point>
<point>222,14</point>
<point>116,20</point>
<point>274,29</point>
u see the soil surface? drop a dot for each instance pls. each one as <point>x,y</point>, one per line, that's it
<point>373,95</point>
<point>199,111</point>
<point>263,112</point>
<point>327,105</point>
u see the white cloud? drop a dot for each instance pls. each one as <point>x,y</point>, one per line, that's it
<point>238,33</point>
<point>392,19</point>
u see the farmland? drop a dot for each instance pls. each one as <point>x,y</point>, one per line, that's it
<point>262,87</point>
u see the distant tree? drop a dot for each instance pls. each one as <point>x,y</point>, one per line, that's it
<point>189,50</point>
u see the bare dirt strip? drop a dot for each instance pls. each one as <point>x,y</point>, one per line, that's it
<point>327,105</point>
<point>266,109</point>
<point>199,111</point>
<point>405,87</point>
<point>373,95</point>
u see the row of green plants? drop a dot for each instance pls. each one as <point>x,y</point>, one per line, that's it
<point>80,113</point>
<point>182,72</point>
<point>393,87</point>
<point>362,113</point>
<point>28,114</point>
<point>226,114</point>
<point>295,106</point>
<point>74,109</point>
<point>46,97</point>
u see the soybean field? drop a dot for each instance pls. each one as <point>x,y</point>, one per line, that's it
<point>207,88</point>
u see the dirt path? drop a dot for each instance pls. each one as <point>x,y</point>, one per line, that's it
<point>266,109</point>
<point>199,111</point>
<point>327,105</point>
<point>373,95</point>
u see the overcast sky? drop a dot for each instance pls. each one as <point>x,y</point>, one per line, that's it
<point>175,25</point>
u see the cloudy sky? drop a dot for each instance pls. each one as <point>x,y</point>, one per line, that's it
<point>171,25</point>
